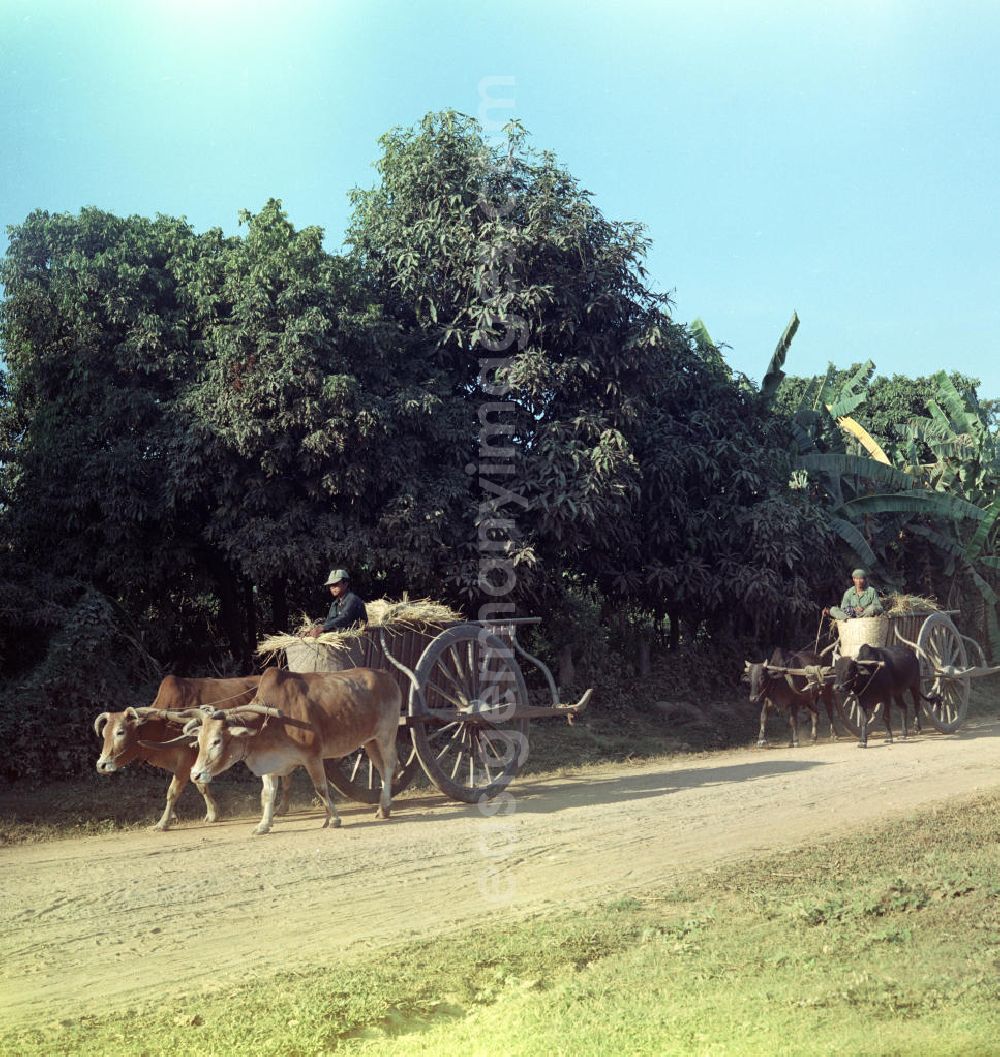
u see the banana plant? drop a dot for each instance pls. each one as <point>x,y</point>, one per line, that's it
<point>949,500</point>
<point>874,498</point>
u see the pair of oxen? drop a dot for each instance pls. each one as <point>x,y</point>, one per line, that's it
<point>793,680</point>
<point>198,728</point>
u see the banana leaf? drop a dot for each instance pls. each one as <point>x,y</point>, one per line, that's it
<point>803,440</point>
<point>808,398</point>
<point>855,466</point>
<point>963,420</point>
<point>864,438</point>
<point>943,442</point>
<point>941,419</point>
<point>774,374</point>
<point>861,376</point>
<point>950,547</point>
<point>844,405</point>
<point>915,501</point>
<point>851,535</point>
<point>825,393</point>
<point>848,398</point>
<point>983,530</point>
<point>701,336</point>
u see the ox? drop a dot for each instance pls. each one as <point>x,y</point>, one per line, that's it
<point>779,690</point>
<point>121,733</point>
<point>301,719</point>
<point>881,675</point>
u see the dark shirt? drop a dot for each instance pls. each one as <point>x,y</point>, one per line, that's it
<point>345,612</point>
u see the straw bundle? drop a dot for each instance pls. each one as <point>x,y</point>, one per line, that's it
<point>404,615</point>
<point>903,605</point>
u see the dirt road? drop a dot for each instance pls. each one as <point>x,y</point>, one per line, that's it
<point>121,920</point>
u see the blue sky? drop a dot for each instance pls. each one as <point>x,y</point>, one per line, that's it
<point>839,160</point>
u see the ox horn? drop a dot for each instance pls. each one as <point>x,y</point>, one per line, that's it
<point>259,710</point>
<point>241,719</point>
<point>179,716</point>
<point>100,721</point>
<point>191,726</point>
<point>164,744</point>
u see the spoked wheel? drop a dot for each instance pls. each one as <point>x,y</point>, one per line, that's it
<point>852,715</point>
<point>849,711</point>
<point>468,668</point>
<point>356,777</point>
<point>942,647</point>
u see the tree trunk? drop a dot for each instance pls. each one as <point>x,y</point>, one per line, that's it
<point>567,671</point>
<point>279,605</point>
<point>644,664</point>
<point>250,614</point>
<point>229,607</point>
<point>675,629</point>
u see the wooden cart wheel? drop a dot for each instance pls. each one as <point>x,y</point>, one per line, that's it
<point>943,646</point>
<point>357,778</point>
<point>467,761</point>
<point>851,714</point>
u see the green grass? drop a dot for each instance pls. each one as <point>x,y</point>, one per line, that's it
<point>884,943</point>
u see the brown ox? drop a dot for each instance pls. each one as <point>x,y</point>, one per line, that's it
<point>302,719</point>
<point>122,731</point>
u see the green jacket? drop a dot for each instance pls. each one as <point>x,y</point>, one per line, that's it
<point>867,602</point>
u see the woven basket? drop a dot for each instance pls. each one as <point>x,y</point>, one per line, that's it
<point>311,656</point>
<point>861,630</point>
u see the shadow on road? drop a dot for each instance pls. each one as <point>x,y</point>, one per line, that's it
<point>543,797</point>
<point>573,791</point>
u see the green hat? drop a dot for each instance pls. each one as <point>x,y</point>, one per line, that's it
<point>336,575</point>
<point>860,572</point>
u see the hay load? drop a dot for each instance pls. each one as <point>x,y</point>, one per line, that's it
<point>416,614</point>
<point>898,605</point>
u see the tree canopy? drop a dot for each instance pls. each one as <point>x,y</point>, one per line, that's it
<point>194,426</point>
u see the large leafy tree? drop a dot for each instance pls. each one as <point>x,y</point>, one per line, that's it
<point>641,464</point>
<point>319,431</point>
<point>97,340</point>
<point>197,425</point>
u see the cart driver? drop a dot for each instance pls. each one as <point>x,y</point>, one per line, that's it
<point>346,609</point>
<point>858,601</point>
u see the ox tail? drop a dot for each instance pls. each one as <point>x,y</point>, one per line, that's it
<point>932,698</point>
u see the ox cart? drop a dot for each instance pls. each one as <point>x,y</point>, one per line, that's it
<point>943,653</point>
<point>465,712</point>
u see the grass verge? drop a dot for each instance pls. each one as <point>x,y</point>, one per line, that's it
<point>885,943</point>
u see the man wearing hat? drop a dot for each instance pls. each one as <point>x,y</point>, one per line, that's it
<point>346,609</point>
<point>858,601</point>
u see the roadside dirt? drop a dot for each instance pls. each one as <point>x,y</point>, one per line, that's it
<point>119,921</point>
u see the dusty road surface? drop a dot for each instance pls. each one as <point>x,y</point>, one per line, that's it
<point>121,920</point>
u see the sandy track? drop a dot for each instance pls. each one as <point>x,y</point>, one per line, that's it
<point>121,920</point>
